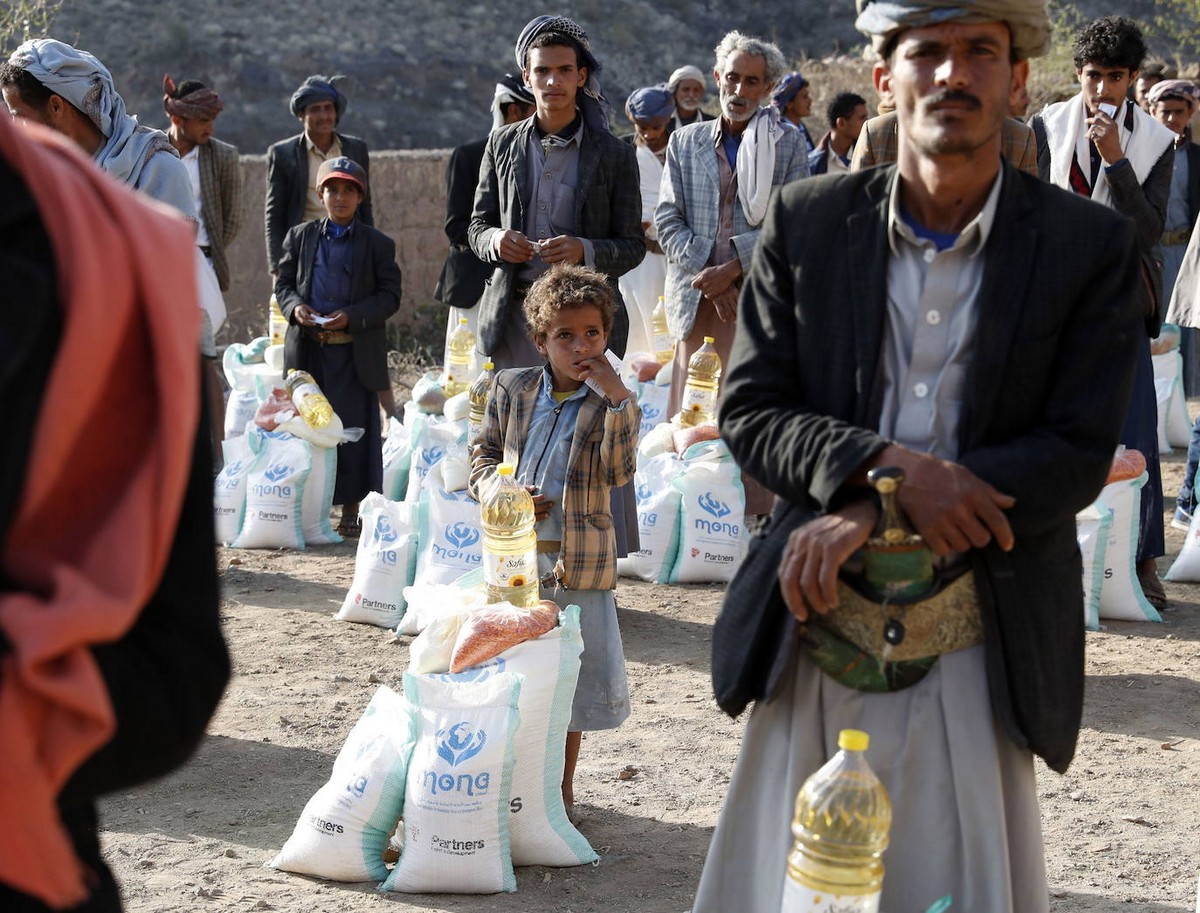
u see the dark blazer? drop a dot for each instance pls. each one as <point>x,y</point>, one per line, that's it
<point>1193,180</point>
<point>461,282</point>
<point>1058,332</point>
<point>287,186</point>
<point>608,212</point>
<point>374,294</point>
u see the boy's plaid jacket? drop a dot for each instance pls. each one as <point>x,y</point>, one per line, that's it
<point>603,456</point>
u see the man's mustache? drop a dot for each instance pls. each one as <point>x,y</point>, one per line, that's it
<point>956,97</point>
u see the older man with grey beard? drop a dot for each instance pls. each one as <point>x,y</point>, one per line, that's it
<point>719,176</point>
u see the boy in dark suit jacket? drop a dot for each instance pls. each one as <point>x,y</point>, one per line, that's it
<point>338,284</point>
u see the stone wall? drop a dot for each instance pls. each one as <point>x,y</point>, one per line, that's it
<point>409,198</point>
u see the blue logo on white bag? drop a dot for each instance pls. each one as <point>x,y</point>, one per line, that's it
<point>385,533</point>
<point>650,412</point>
<point>461,536</point>
<point>460,743</point>
<point>643,493</point>
<point>277,472</point>
<point>232,469</point>
<point>357,786</point>
<point>711,505</point>
<point>432,455</point>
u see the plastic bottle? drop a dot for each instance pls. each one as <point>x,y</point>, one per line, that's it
<point>460,355</point>
<point>310,402</point>
<point>509,543</point>
<point>700,391</point>
<point>276,324</point>
<point>478,397</point>
<point>843,815</point>
<point>664,345</point>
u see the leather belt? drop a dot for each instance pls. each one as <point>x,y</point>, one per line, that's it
<point>328,337</point>
<point>548,546</point>
<point>1171,238</point>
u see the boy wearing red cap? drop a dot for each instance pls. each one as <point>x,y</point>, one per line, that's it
<point>338,283</point>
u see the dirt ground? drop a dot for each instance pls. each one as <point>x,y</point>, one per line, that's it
<point>1121,827</point>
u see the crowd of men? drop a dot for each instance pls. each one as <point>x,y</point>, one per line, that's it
<point>963,295</point>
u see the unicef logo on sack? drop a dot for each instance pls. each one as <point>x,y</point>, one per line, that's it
<point>712,505</point>
<point>385,533</point>
<point>460,743</point>
<point>277,472</point>
<point>461,536</point>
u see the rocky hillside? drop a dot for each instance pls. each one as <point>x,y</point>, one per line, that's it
<point>422,71</point>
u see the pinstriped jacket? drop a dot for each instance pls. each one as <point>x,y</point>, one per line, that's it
<point>689,211</point>
<point>603,456</point>
<point>220,201</point>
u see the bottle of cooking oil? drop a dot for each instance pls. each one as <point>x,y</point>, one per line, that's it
<point>460,356</point>
<point>310,402</point>
<point>664,345</point>
<point>703,380</point>
<point>843,815</point>
<point>276,324</point>
<point>478,397</point>
<point>509,543</point>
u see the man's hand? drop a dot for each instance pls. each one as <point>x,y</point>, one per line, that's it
<point>304,315</point>
<point>515,247</point>
<point>541,504</point>
<point>713,280</point>
<point>726,305</point>
<point>815,553</point>
<point>599,370</point>
<point>562,249</point>
<point>952,508</point>
<point>1102,130</point>
<point>335,321</point>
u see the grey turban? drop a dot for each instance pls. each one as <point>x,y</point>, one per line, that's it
<point>590,99</point>
<point>882,20</point>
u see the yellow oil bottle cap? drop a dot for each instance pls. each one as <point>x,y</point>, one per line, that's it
<point>710,339</point>
<point>506,469</point>
<point>853,740</point>
<point>488,366</point>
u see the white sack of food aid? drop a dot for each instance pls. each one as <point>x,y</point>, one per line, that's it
<point>397,457</point>
<point>427,601</point>
<point>1121,595</point>
<point>318,497</point>
<point>344,829</point>
<point>1091,531</point>
<point>549,670</point>
<point>229,488</point>
<point>239,411</point>
<point>658,520</point>
<point>383,567</point>
<point>711,519</point>
<point>456,836</point>
<point>450,535</point>
<point>1186,567</point>
<point>435,438</point>
<point>1174,423</point>
<point>275,493</point>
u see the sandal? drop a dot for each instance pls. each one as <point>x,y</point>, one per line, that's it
<point>1152,589</point>
<point>349,529</point>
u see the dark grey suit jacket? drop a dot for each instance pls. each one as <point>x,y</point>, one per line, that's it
<point>374,295</point>
<point>463,275</point>
<point>608,212</point>
<point>1058,331</point>
<point>287,186</point>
